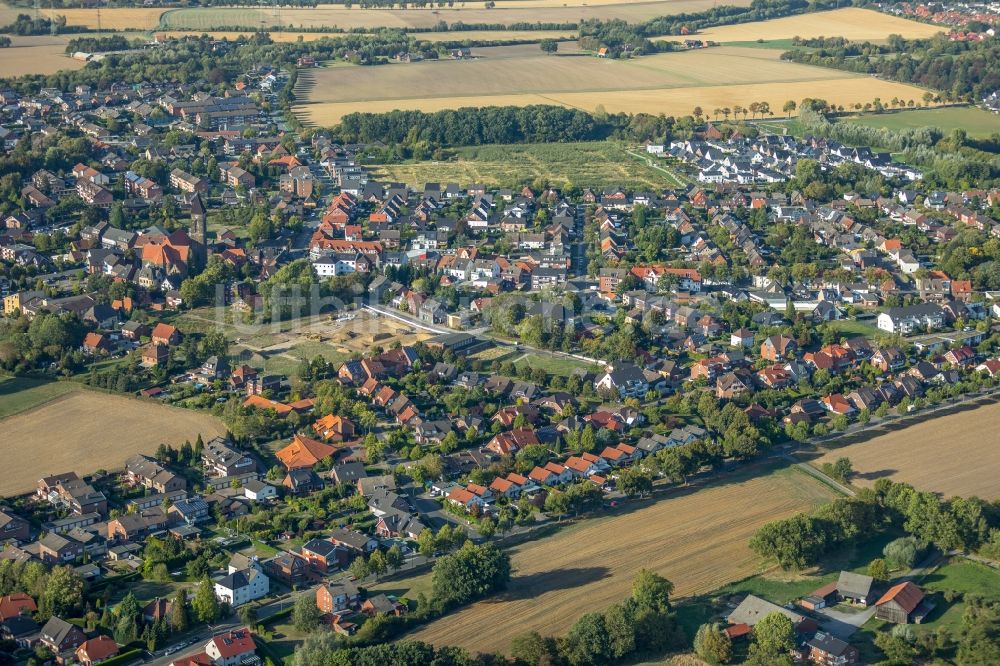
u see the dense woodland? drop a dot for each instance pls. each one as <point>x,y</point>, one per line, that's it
<point>960,70</point>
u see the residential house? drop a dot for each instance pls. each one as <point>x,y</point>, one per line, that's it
<point>59,636</point>
<point>380,604</point>
<point>828,650</point>
<point>96,650</point>
<point>243,586</point>
<point>231,648</point>
<point>13,527</point>
<point>334,597</point>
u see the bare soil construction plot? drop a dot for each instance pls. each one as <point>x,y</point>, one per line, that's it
<point>86,431</point>
<point>957,454</point>
<point>851,23</point>
<point>672,83</point>
<point>333,338</point>
<point>36,55</point>
<point>697,540</point>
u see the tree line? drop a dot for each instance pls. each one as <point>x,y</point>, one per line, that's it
<point>961,70</point>
<point>804,539</point>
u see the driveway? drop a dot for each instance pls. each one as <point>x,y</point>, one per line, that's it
<point>843,623</point>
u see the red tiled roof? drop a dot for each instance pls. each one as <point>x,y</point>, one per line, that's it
<point>304,452</point>
<point>907,595</point>
<point>98,649</point>
<point>13,604</point>
<point>234,643</point>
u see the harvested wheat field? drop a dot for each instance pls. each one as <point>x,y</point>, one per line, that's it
<point>546,11</point>
<point>852,23</point>
<point>957,454</point>
<point>697,540</point>
<point>111,18</point>
<point>671,83</point>
<point>36,55</point>
<point>85,431</point>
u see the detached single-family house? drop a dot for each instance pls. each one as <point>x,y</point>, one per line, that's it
<point>243,586</point>
<point>230,648</point>
<point>96,650</point>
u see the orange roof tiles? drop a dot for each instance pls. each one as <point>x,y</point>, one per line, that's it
<point>304,452</point>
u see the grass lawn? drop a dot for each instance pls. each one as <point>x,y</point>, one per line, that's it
<point>783,44</point>
<point>407,588</point>
<point>976,122</point>
<point>307,351</point>
<point>147,590</point>
<point>279,364</point>
<point>19,394</point>
<point>967,577</point>
<point>554,365</point>
<point>853,326</point>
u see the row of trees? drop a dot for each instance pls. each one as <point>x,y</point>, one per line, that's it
<point>961,70</point>
<point>641,623</point>
<point>802,540</point>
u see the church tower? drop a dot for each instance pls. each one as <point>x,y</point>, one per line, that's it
<point>198,230</point>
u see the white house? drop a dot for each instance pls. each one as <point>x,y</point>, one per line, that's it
<point>243,585</point>
<point>626,378</point>
<point>913,318</point>
<point>231,647</point>
<point>258,491</point>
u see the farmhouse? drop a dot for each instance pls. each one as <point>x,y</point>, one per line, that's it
<point>826,649</point>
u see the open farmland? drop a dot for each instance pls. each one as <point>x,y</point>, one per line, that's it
<point>957,454</point>
<point>698,540</point>
<point>42,54</point>
<point>852,23</point>
<point>584,164</point>
<point>976,122</point>
<point>671,83</point>
<point>85,430</point>
<point>111,18</point>
<point>543,11</point>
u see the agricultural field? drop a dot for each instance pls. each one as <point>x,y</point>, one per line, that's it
<point>111,18</point>
<point>955,454</point>
<point>585,164</point>
<point>853,23</point>
<point>85,430</point>
<point>697,539</point>
<point>976,122</point>
<point>18,394</point>
<point>671,83</point>
<point>325,16</point>
<point>36,55</point>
